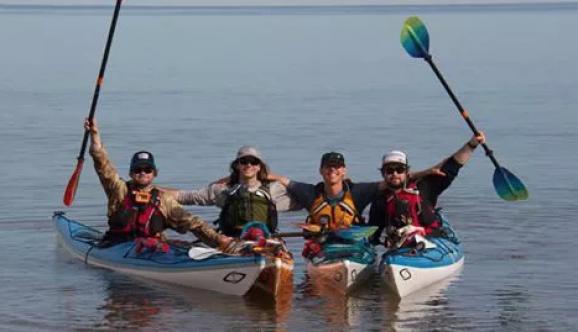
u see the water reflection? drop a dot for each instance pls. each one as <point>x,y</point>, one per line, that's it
<point>426,309</point>
<point>136,303</point>
<point>376,306</point>
<point>275,309</point>
<point>130,305</point>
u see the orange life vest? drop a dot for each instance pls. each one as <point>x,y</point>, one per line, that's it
<point>342,214</point>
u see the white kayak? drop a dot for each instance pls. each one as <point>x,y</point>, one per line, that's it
<point>407,270</point>
<point>233,275</point>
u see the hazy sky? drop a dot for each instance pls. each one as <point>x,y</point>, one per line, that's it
<point>266,2</point>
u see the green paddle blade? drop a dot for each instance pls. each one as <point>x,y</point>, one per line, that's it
<point>414,37</point>
<point>508,186</point>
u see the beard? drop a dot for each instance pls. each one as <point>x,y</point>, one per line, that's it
<point>395,185</point>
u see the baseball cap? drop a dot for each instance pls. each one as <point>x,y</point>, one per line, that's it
<point>142,158</point>
<point>332,159</point>
<point>394,156</point>
<point>248,150</point>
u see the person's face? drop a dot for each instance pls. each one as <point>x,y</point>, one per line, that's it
<point>394,174</point>
<point>333,174</point>
<point>249,167</point>
<point>143,175</point>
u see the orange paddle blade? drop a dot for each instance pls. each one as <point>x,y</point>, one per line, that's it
<point>73,184</point>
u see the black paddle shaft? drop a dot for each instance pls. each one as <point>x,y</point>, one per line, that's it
<point>463,112</point>
<point>100,76</point>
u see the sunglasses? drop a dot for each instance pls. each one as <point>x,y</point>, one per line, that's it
<point>147,170</point>
<point>394,169</point>
<point>249,161</point>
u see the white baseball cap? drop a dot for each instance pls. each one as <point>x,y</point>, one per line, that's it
<point>394,156</point>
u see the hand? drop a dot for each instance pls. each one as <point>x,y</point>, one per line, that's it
<point>91,126</point>
<point>477,139</point>
<point>232,246</point>
<point>437,172</point>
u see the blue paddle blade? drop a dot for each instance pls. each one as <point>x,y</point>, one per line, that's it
<point>508,186</point>
<point>356,233</point>
<point>414,37</point>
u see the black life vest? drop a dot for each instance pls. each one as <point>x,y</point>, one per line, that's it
<point>340,215</point>
<point>136,219</point>
<point>243,206</point>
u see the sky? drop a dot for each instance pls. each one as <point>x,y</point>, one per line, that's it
<point>266,2</point>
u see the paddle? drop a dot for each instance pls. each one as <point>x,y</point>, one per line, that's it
<point>415,40</point>
<point>200,253</point>
<point>73,182</point>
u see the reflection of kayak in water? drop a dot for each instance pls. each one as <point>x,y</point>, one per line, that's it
<point>226,274</point>
<point>346,259</point>
<point>407,270</point>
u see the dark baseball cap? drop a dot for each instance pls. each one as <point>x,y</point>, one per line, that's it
<point>142,158</point>
<point>332,159</point>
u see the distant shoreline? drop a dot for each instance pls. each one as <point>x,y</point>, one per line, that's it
<point>297,9</point>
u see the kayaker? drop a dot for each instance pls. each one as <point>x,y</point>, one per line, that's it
<point>407,207</point>
<point>138,210</point>
<point>336,202</point>
<point>246,195</point>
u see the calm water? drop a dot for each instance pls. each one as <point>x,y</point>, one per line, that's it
<point>193,88</point>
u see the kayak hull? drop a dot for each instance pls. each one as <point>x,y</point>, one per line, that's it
<point>345,262</point>
<point>406,271</point>
<point>225,274</point>
<point>342,276</point>
<point>276,277</point>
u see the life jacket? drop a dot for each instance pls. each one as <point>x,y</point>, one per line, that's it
<point>139,216</point>
<point>405,208</point>
<point>340,215</point>
<point>243,206</point>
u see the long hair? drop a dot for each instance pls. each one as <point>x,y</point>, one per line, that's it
<point>235,174</point>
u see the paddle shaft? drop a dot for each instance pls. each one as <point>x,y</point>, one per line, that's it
<point>463,112</point>
<point>100,78</point>
<point>288,234</point>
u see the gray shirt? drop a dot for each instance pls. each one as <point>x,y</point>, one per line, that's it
<point>216,194</point>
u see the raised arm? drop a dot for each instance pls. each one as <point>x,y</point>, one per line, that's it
<point>465,152</point>
<point>113,185</point>
<point>461,156</point>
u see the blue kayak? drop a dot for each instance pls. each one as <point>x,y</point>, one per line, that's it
<point>407,270</point>
<point>217,272</point>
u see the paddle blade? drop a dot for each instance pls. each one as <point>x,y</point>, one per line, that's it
<point>414,37</point>
<point>508,186</point>
<point>200,253</point>
<point>73,184</point>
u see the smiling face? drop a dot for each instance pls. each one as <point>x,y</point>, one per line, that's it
<point>394,174</point>
<point>248,167</point>
<point>143,176</point>
<point>333,174</point>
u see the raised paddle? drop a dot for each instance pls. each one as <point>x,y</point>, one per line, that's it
<point>415,40</point>
<point>73,182</point>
